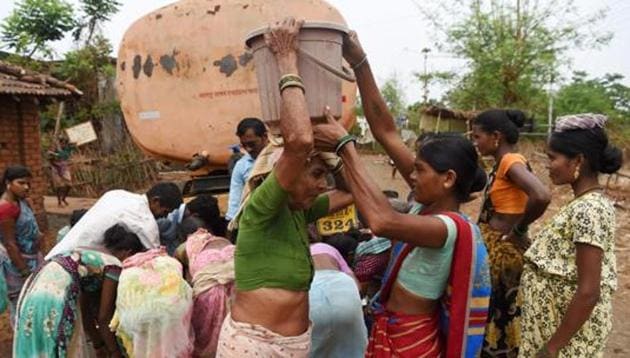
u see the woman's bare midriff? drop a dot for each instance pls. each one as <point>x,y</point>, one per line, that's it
<point>281,311</point>
<point>403,301</point>
<point>504,222</point>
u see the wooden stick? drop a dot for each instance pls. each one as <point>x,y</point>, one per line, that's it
<point>62,105</point>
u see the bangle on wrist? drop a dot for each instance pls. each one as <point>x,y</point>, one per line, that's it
<point>292,84</point>
<point>343,141</point>
<point>338,168</point>
<point>289,77</point>
<point>290,80</point>
<point>360,63</point>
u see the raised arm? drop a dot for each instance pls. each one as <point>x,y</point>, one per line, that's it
<point>380,120</point>
<point>295,123</point>
<point>380,217</point>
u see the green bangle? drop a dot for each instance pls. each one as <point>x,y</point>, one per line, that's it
<point>288,84</point>
<point>343,141</point>
<point>25,272</point>
<point>289,78</point>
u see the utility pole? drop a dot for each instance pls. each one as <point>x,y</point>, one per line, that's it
<point>425,95</point>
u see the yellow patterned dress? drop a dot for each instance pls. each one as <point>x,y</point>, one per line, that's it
<point>549,280</point>
<point>153,307</point>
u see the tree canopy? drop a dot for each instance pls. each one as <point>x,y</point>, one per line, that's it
<point>95,14</point>
<point>393,94</point>
<point>606,95</point>
<point>513,48</point>
<point>34,23</point>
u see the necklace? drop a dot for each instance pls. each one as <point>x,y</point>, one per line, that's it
<point>588,190</point>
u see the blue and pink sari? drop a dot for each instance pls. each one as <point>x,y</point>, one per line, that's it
<point>27,238</point>
<point>457,330</point>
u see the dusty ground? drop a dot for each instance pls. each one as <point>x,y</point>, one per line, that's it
<point>618,342</point>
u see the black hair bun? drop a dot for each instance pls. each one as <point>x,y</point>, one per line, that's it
<point>480,180</point>
<point>516,116</point>
<point>114,234</point>
<point>611,160</point>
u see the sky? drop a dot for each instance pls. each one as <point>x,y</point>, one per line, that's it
<point>394,32</point>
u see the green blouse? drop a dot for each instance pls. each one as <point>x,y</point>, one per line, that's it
<point>272,247</point>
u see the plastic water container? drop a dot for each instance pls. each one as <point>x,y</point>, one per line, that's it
<point>319,65</point>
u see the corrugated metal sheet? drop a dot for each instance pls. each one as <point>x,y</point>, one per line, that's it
<point>13,86</point>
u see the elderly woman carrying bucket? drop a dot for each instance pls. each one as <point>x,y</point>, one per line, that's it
<point>273,266</point>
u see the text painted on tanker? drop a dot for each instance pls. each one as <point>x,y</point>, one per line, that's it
<point>229,93</point>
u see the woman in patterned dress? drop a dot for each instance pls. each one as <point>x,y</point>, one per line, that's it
<point>570,275</point>
<point>63,296</point>
<point>514,198</point>
<point>153,307</point>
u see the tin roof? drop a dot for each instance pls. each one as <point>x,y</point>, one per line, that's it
<point>15,80</point>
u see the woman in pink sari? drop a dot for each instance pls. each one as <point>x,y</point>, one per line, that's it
<point>210,261</point>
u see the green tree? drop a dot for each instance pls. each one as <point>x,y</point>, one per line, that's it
<point>393,94</point>
<point>33,24</point>
<point>85,67</point>
<point>430,78</point>
<point>513,47</point>
<point>91,64</point>
<point>95,14</point>
<point>605,95</point>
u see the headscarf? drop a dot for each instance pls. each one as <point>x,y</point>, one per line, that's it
<point>580,121</point>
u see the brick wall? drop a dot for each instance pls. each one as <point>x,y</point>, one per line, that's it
<point>20,144</point>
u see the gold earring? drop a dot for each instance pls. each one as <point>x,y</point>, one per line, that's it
<point>576,174</point>
<point>496,143</point>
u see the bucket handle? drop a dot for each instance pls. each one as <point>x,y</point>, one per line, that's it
<point>344,73</point>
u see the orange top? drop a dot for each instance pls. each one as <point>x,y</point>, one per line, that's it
<point>506,197</point>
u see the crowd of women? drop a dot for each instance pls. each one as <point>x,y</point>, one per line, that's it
<point>451,286</point>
